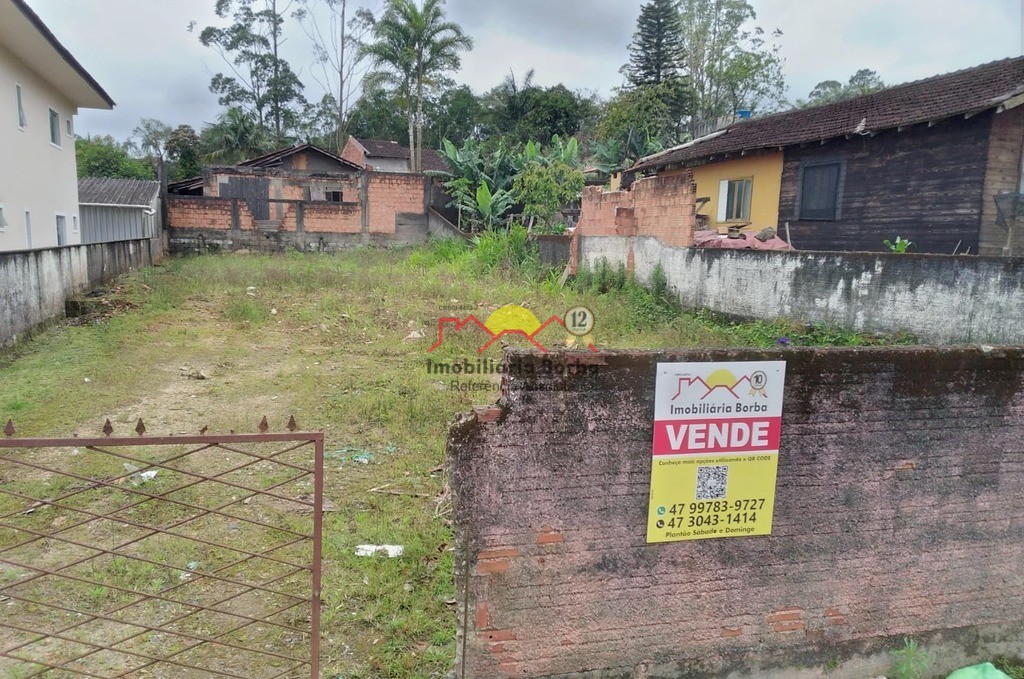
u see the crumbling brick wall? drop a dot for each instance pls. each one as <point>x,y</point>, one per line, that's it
<point>899,512</point>
<point>661,206</point>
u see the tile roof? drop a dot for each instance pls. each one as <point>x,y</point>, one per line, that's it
<point>107,191</point>
<point>380,148</point>
<point>965,92</point>
<point>272,158</point>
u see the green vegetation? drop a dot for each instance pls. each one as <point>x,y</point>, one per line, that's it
<point>899,247</point>
<point>909,662</point>
<point>1012,666</point>
<point>339,341</point>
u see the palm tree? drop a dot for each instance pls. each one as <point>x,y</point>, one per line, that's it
<point>413,46</point>
<point>236,136</point>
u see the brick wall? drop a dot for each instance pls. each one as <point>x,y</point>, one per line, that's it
<point>662,207</point>
<point>390,194</point>
<point>332,217</point>
<point>199,212</point>
<point>899,512</point>
<point>353,153</point>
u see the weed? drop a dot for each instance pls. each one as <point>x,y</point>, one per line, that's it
<point>1011,666</point>
<point>832,665</point>
<point>910,662</point>
<point>899,247</point>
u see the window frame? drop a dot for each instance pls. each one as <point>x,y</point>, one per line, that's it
<point>69,127</point>
<point>725,192</point>
<point>54,114</point>
<point>19,95</point>
<point>840,189</point>
<point>328,195</point>
<point>57,216</point>
<point>28,229</point>
<point>4,222</point>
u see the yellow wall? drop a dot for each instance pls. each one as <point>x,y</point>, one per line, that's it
<point>766,172</point>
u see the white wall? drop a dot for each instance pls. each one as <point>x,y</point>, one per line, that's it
<point>34,174</point>
<point>940,299</point>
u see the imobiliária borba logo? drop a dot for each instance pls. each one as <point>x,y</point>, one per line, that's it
<point>513,320</point>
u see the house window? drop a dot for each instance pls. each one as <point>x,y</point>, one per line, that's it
<point>734,200</point>
<point>62,230</point>
<point>28,229</point>
<point>332,196</point>
<point>821,191</point>
<point>74,223</point>
<point>67,124</point>
<point>54,128</point>
<point>21,107</point>
<point>3,219</point>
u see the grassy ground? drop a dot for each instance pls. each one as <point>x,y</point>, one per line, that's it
<point>334,341</point>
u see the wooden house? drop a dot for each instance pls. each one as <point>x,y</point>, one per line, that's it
<point>924,161</point>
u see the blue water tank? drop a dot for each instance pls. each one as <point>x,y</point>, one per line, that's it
<point>743,113</point>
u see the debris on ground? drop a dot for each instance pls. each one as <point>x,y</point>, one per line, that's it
<point>193,373</point>
<point>391,551</point>
<point>140,477</point>
<point>357,455</point>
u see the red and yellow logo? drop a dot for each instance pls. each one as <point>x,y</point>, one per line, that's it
<point>514,320</point>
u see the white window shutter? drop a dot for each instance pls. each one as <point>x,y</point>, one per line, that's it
<point>723,199</point>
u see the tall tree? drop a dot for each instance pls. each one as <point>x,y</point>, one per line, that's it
<point>453,114</point>
<point>417,45</point>
<point>182,147</point>
<point>261,81</point>
<point>730,65</point>
<point>656,53</point>
<point>864,81</point>
<point>377,114</point>
<point>336,33</point>
<point>149,137</point>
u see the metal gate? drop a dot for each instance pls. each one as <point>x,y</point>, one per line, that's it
<point>161,556</point>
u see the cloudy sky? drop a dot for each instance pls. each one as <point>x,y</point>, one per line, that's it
<point>144,56</point>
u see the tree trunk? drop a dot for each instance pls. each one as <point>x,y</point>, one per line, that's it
<point>274,104</point>
<point>342,136</point>
<point>418,164</point>
<point>412,137</point>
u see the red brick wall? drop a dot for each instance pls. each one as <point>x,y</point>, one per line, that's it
<point>197,212</point>
<point>661,206</point>
<point>332,218</point>
<point>899,512</point>
<point>392,193</point>
<point>353,153</point>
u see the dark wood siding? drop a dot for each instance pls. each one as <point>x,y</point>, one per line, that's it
<point>924,183</point>
<point>1003,176</point>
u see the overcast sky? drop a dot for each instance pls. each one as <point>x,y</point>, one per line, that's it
<point>144,56</point>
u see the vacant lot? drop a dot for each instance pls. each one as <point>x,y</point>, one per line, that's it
<point>340,342</point>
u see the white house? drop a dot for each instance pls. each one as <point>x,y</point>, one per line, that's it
<point>41,89</point>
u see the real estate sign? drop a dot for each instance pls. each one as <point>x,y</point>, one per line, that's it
<point>716,449</point>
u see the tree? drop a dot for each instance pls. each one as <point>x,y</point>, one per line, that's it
<point>548,182</point>
<point>104,157</point>
<point>454,114</point>
<point>864,81</point>
<point>182,147</point>
<point>149,137</point>
<point>261,82</point>
<point>656,53</point>
<point>416,45</point>
<point>635,123</point>
<point>730,66</point>
<point>235,136</point>
<point>523,111</point>
<point>337,55</point>
<point>377,114</point>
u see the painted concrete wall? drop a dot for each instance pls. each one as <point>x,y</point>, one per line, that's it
<point>35,176</point>
<point>899,512</point>
<point>766,173</point>
<point>35,284</point>
<point>941,299</point>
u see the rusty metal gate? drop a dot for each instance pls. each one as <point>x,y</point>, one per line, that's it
<point>161,556</point>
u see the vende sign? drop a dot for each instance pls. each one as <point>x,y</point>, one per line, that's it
<point>721,436</point>
<point>715,453</point>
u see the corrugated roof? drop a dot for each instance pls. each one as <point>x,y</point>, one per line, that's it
<point>107,191</point>
<point>971,90</point>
